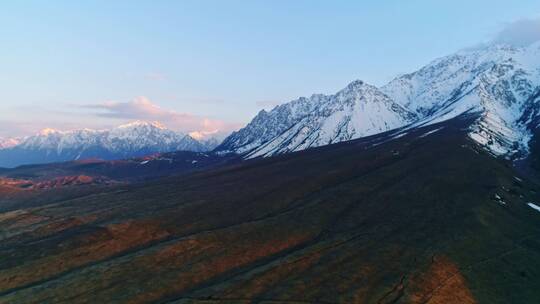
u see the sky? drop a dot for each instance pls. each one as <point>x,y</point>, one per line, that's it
<point>210,66</point>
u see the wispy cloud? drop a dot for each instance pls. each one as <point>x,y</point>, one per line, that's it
<point>142,108</point>
<point>522,32</point>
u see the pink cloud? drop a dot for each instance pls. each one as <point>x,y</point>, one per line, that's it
<point>142,108</point>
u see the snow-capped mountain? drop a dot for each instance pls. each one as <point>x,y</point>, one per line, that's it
<point>129,140</point>
<point>356,111</point>
<point>499,83</point>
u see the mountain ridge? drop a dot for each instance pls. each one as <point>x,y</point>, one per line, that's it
<point>133,139</point>
<point>497,82</point>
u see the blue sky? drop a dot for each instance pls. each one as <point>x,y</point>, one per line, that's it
<point>209,65</point>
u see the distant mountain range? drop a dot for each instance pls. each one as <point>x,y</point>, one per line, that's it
<point>130,140</point>
<point>498,83</point>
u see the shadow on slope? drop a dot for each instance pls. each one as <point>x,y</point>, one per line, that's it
<point>421,217</point>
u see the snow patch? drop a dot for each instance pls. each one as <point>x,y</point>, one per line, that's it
<point>499,199</point>
<point>400,135</point>
<point>430,132</point>
<point>534,206</point>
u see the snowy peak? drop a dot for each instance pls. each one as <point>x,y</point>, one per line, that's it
<point>140,135</point>
<point>134,139</point>
<point>497,82</point>
<point>357,110</point>
<point>506,72</point>
<point>356,86</point>
<point>48,131</point>
<point>142,124</point>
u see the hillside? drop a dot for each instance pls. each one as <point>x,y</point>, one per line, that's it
<point>421,216</point>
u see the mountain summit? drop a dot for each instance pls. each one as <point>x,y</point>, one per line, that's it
<point>498,83</point>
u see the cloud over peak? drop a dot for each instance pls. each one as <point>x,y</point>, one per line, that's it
<point>139,108</point>
<point>142,108</point>
<point>522,32</point>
